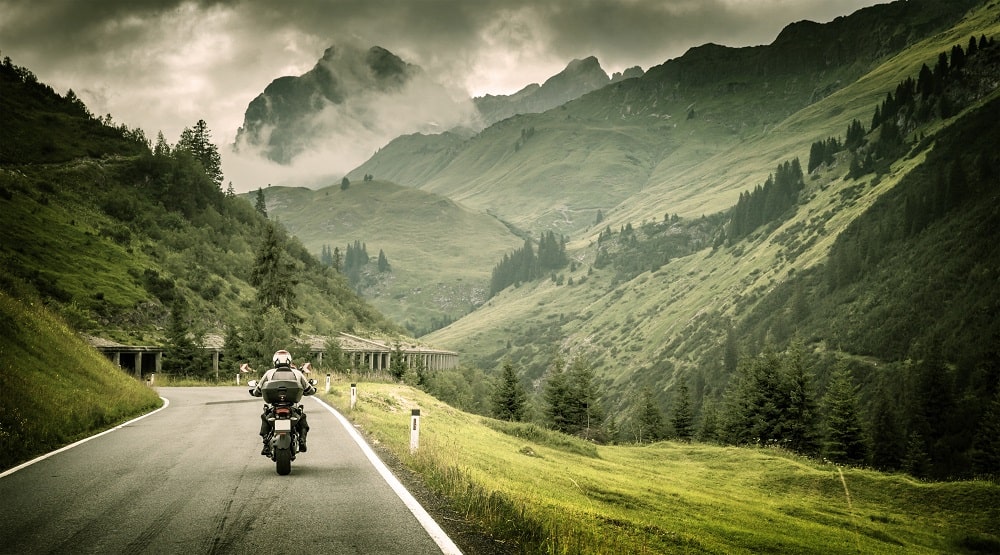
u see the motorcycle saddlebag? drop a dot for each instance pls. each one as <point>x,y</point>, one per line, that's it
<point>282,388</point>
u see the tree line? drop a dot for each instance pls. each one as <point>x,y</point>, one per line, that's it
<point>524,265</point>
<point>909,271</point>
<point>771,400</point>
<point>354,261</point>
<point>767,202</point>
<point>940,93</point>
<point>633,250</point>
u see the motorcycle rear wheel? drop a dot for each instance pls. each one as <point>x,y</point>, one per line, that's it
<point>283,461</point>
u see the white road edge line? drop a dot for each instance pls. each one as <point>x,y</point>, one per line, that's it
<point>166,403</point>
<point>437,534</point>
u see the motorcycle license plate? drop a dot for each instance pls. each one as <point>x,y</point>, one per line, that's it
<point>282,425</point>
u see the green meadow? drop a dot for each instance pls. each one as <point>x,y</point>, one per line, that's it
<point>537,491</point>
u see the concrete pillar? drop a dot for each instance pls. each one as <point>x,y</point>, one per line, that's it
<point>159,361</point>
<point>138,364</point>
<point>215,363</point>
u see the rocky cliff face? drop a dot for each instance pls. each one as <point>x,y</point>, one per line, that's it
<point>352,96</point>
<point>579,78</point>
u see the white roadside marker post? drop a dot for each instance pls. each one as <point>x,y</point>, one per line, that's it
<point>327,382</point>
<point>414,430</point>
<point>354,394</point>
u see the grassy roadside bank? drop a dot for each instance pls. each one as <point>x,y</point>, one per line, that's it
<point>542,492</point>
<point>54,388</point>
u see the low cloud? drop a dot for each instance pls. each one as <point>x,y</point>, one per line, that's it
<point>162,65</point>
<point>340,136</point>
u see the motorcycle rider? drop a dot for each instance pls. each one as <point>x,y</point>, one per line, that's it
<point>282,360</point>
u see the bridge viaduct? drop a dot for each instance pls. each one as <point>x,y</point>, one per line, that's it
<point>361,354</point>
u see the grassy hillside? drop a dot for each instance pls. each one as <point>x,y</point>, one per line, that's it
<point>714,183</point>
<point>411,159</point>
<point>537,491</point>
<point>108,237</point>
<point>679,139</point>
<point>54,388</point>
<point>915,310</point>
<point>111,233</point>
<point>440,252</point>
<point>702,188</point>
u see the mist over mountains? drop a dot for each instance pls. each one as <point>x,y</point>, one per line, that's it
<point>355,100</point>
<point>348,105</point>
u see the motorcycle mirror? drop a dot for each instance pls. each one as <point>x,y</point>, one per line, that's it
<point>252,383</point>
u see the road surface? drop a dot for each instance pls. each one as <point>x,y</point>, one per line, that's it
<point>190,479</point>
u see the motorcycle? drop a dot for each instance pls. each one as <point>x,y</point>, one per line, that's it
<point>281,395</point>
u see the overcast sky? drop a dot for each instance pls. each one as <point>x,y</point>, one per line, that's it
<point>164,64</point>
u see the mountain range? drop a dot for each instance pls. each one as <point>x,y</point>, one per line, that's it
<point>642,178</point>
<point>366,97</point>
<point>835,190</point>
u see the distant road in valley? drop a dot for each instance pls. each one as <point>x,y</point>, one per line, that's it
<point>190,479</point>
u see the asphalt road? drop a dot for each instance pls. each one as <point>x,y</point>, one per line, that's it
<point>190,479</point>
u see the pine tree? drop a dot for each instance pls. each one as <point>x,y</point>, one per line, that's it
<point>383,262</point>
<point>273,274</point>
<point>986,444</point>
<point>916,463</point>
<point>260,204</point>
<point>182,355</point>
<point>509,398</point>
<point>800,432</point>
<point>888,438</point>
<point>585,413</point>
<point>162,149</point>
<point>845,442</point>
<point>650,419</point>
<point>326,256</point>
<point>556,394</point>
<point>198,141</point>
<point>397,367</point>
<point>708,430</point>
<point>957,58</point>
<point>334,356</point>
<point>756,402</point>
<point>337,259</point>
<point>855,135</point>
<point>683,417</point>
